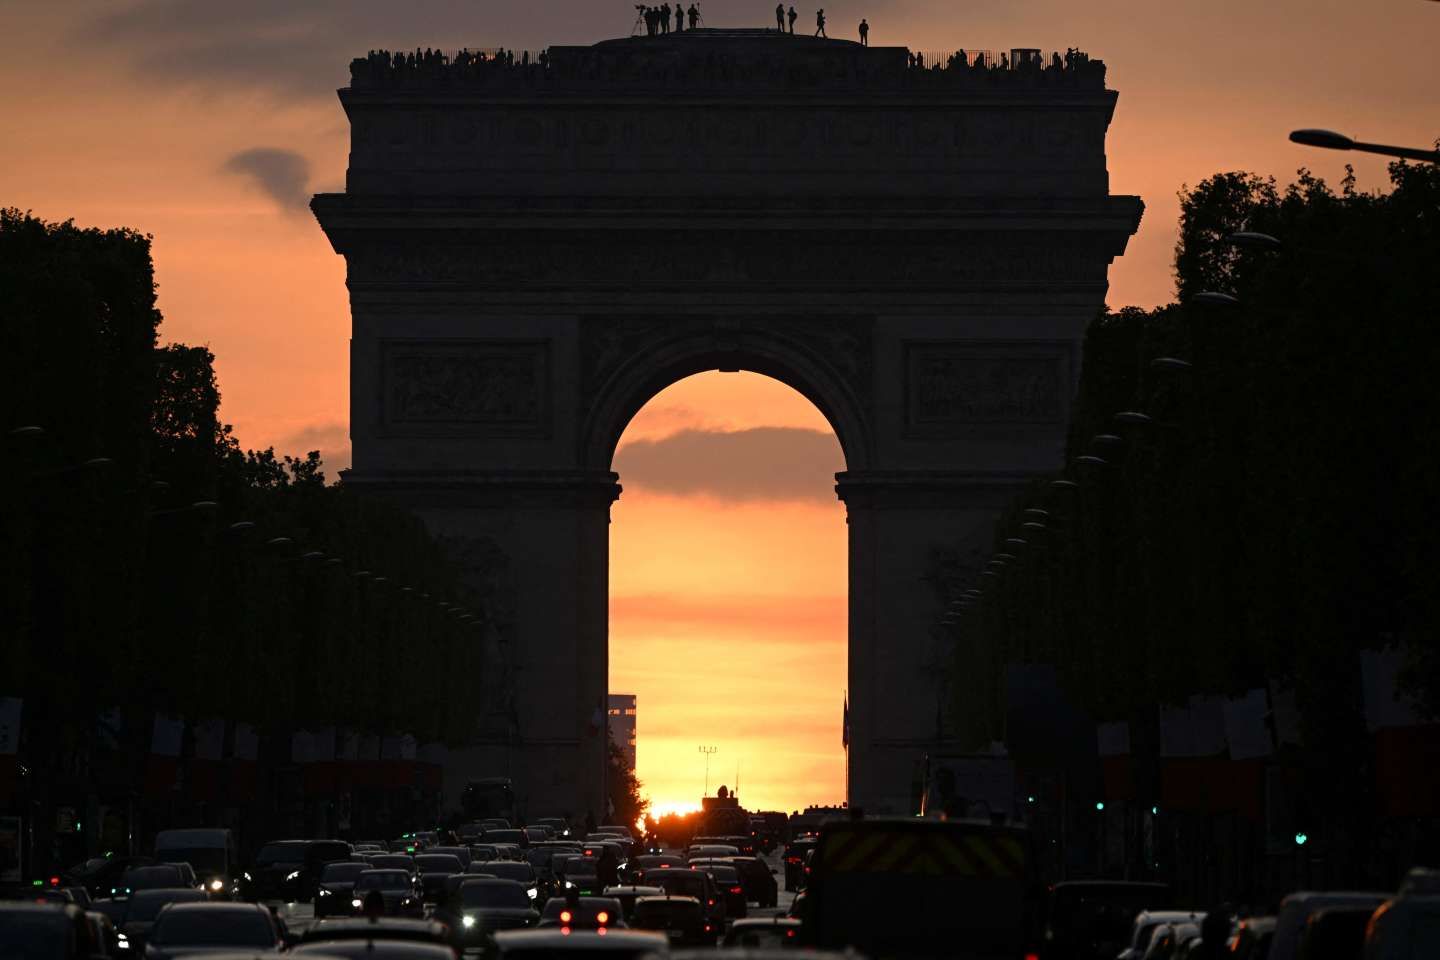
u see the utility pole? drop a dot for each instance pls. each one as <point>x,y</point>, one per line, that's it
<point>709,752</point>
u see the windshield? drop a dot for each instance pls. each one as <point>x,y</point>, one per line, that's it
<point>398,861</point>
<point>382,880</point>
<point>280,853</point>
<point>204,860</point>
<point>214,928</point>
<point>343,872</point>
<point>506,894</point>
<point>658,911</point>
<point>681,883</point>
<point>722,874</point>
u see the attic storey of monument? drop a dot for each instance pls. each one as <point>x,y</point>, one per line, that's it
<point>535,249</point>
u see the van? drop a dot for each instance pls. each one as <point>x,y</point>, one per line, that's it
<point>210,851</point>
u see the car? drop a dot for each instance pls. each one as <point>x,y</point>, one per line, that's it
<point>758,878</point>
<point>757,933</point>
<point>1252,938</point>
<point>395,889</point>
<point>702,851</point>
<point>462,854</point>
<point>537,834</point>
<point>581,874</point>
<point>682,919</point>
<point>1296,908</point>
<point>290,869</point>
<point>336,889</point>
<point>1340,932</point>
<point>186,928</point>
<point>480,907</point>
<point>727,879</point>
<point>100,876</point>
<point>373,950</point>
<point>636,867</point>
<point>378,929</point>
<point>1404,927</point>
<point>103,931</point>
<point>145,905</point>
<point>1096,918</point>
<point>549,944</point>
<point>482,852</point>
<point>508,835</point>
<point>627,894</point>
<point>152,877</point>
<point>794,858</point>
<point>1170,939</point>
<point>682,881</point>
<point>393,861</point>
<point>210,851</point>
<point>520,872</point>
<point>1145,924</point>
<point>55,931</point>
<point>558,825</point>
<point>582,913</point>
<point>432,869</point>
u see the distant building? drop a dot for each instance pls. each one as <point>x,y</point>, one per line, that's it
<point>622,724</point>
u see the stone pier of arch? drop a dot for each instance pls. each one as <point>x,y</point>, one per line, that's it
<point>534,251</point>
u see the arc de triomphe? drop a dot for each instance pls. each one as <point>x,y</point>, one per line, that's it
<point>534,249</point>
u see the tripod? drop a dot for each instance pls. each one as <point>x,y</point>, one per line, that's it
<point>639,21</point>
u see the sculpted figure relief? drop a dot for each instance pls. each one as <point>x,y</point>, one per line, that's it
<point>463,385</point>
<point>959,389</point>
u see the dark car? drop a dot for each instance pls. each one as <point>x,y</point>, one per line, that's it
<point>581,874</point>
<point>586,913</point>
<point>153,877</point>
<point>186,928</point>
<point>383,929</point>
<point>396,889</point>
<point>635,869</point>
<point>101,876</point>
<point>54,931</point>
<point>758,877</point>
<point>480,907</point>
<point>460,853</point>
<point>763,933</point>
<point>684,882</point>
<point>393,861</point>
<point>371,950</point>
<point>681,919</point>
<point>432,869</point>
<point>145,905</point>
<point>1088,919</point>
<point>290,869</point>
<point>518,871</point>
<point>727,879</point>
<point>510,836</point>
<point>795,862</point>
<point>337,888</point>
<point>549,944</point>
<point>627,894</point>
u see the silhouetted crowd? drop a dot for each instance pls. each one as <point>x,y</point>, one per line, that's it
<point>1075,63</point>
<point>383,68</point>
<point>657,19</point>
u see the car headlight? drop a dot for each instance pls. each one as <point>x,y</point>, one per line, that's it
<point>531,892</point>
<point>569,885</point>
<point>217,884</point>
<point>354,903</point>
<point>247,876</point>
<point>324,892</point>
<point>292,875</point>
<point>467,921</point>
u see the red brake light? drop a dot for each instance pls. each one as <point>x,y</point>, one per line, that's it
<point>54,881</point>
<point>1032,956</point>
<point>791,933</point>
<point>710,902</point>
<point>602,917</point>
<point>565,916</point>
<point>737,889</point>
<point>600,931</point>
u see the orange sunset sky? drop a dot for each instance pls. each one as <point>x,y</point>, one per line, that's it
<point>208,124</point>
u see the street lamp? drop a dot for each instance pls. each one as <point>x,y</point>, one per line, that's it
<point>1212,298</point>
<point>1170,365</point>
<point>1330,140</point>
<point>709,752</point>
<point>1255,240</point>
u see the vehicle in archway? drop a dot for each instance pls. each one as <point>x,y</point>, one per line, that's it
<point>489,798</point>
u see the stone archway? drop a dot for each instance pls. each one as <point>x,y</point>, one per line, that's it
<point>533,250</point>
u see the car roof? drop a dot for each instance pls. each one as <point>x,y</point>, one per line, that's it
<point>635,888</point>
<point>163,893</point>
<point>553,939</point>
<point>662,898</point>
<point>748,923</point>
<point>322,929</point>
<point>386,950</point>
<point>218,906</point>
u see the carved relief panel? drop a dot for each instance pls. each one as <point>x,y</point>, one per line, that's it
<point>951,386</point>
<point>477,388</point>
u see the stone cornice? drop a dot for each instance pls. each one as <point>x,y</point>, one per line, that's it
<point>471,488</point>
<point>925,488</point>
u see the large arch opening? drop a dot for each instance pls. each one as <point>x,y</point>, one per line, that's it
<point>728,591</point>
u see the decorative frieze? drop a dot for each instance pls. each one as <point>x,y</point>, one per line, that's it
<point>465,387</point>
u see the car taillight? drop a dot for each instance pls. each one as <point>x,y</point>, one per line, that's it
<point>54,881</point>
<point>602,917</point>
<point>710,902</point>
<point>1032,956</point>
<point>565,916</point>
<point>737,889</point>
<point>791,933</point>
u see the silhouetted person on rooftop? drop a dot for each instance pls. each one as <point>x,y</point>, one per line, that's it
<point>679,18</point>
<point>820,23</point>
<point>780,17</point>
<point>694,16</point>
<point>665,18</point>
<point>864,33</point>
<point>791,17</point>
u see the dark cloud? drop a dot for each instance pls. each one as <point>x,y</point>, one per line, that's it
<point>283,175</point>
<point>331,439</point>
<point>766,463</point>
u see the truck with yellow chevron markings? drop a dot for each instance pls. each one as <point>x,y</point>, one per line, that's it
<point>920,888</point>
